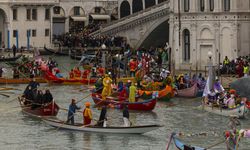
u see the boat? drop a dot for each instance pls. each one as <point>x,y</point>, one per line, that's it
<point>181,146</point>
<point>239,111</point>
<point>163,95</point>
<point>10,58</point>
<point>76,57</point>
<point>49,109</point>
<point>140,104</point>
<point>91,128</point>
<point>20,80</point>
<point>57,52</point>
<point>188,92</point>
<point>52,79</point>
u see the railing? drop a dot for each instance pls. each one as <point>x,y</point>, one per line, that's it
<point>136,18</point>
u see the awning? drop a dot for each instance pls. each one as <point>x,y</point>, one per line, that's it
<point>100,17</point>
<point>77,18</point>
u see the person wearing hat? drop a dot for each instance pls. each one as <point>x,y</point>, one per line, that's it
<point>87,114</point>
<point>107,89</point>
<point>72,110</point>
<point>218,88</point>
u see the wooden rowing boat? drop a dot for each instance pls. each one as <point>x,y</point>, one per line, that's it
<point>62,53</point>
<point>163,95</point>
<point>118,130</point>
<point>20,80</point>
<point>10,58</point>
<point>181,146</point>
<point>49,109</point>
<point>50,78</point>
<point>140,104</point>
<point>239,111</point>
<point>188,92</point>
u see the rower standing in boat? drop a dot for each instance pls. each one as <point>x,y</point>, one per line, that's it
<point>102,122</point>
<point>107,87</point>
<point>87,114</point>
<point>126,116</point>
<point>72,110</point>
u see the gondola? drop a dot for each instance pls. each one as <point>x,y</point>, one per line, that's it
<point>90,128</point>
<point>10,58</point>
<point>76,57</point>
<point>48,109</point>
<point>140,104</point>
<point>57,52</point>
<point>181,146</point>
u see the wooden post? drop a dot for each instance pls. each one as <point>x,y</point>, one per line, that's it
<point>169,60</point>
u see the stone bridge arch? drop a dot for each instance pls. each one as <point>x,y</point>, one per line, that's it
<point>158,28</point>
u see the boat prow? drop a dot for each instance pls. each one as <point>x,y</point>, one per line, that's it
<point>116,130</point>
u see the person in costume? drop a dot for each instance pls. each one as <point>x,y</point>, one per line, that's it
<point>87,114</point>
<point>107,89</point>
<point>132,93</point>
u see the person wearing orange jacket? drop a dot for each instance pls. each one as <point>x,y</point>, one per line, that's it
<point>87,114</point>
<point>71,74</point>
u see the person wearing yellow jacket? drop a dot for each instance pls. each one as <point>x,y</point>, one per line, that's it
<point>132,93</point>
<point>87,114</point>
<point>107,81</point>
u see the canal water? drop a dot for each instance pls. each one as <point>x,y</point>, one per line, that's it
<point>21,132</point>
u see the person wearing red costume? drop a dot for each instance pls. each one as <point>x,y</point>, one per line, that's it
<point>132,66</point>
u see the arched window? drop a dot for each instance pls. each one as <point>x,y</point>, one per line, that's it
<point>186,5</point>
<point>137,5</point>
<point>124,9</point>
<point>186,45</point>
<point>202,5</point>
<point>211,5</point>
<point>226,5</point>
<point>149,3</point>
<point>160,1</point>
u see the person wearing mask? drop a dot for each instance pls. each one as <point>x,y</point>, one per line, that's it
<point>72,110</point>
<point>87,114</point>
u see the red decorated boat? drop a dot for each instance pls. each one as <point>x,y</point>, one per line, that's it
<point>50,78</point>
<point>48,109</point>
<point>140,104</point>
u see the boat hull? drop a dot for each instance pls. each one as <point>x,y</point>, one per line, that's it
<point>188,92</point>
<point>116,130</point>
<point>50,109</point>
<point>20,80</point>
<point>146,105</point>
<point>10,58</point>
<point>239,111</point>
<point>181,146</point>
<point>56,52</point>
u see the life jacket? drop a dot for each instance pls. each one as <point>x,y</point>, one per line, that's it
<point>246,70</point>
<point>226,61</point>
<point>85,74</point>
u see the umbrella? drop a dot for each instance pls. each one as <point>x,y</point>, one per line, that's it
<point>242,86</point>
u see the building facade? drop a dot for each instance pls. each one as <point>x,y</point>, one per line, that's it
<point>32,23</point>
<point>200,26</point>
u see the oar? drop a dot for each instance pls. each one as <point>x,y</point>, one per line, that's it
<point>4,95</point>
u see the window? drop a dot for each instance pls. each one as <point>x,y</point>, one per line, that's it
<point>226,5</point>
<point>76,11</point>
<point>211,5</point>
<point>28,14</point>
<point>46,32</point>
<point>202,5</point>
<point>33,33</point>
<point>14,14</point>
<point>14,33</point>
<point>56,10</point>
<point>34,14</point>
<point>186,5</point>
<point>186,44</point>
<point>47,14</point>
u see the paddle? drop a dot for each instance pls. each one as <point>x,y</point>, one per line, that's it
<point>4,95</point>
